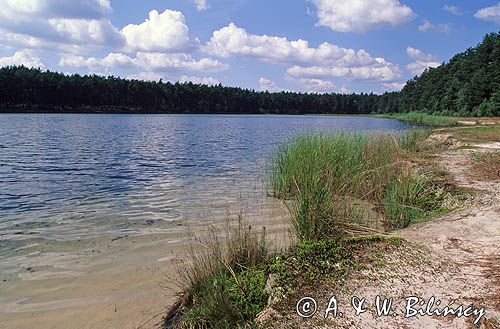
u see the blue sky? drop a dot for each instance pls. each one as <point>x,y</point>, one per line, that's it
<point>300,45</point>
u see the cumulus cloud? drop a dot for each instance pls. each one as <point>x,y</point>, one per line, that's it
<point>427,26</point>
<point>268,85</point>
<point>146,76</point>
<point>326,60</point>
<point>160,32</point>
<point>82,31</point>
<point>199,80</point>
<point>344,90</point>
<point>361,15</point>
<point>22,57</point>
<point>233,40</point>
<point>86,23</point>
<point>394,86</point>
<point>19,40</point>
<point>178,61</point>
<point>77,22</point>
<point>491,14</point>
<point>159,62</point>
<point>379,70</point>
<point>421,61</point>
<point>113,60</point>
<point>316,85</point>
<point>25,9</point>
<point>457,11</point>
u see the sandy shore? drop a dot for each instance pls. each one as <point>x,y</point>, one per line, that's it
<point>458,255</point>
<point>453,258</point>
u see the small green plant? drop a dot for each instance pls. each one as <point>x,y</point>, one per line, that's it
<point>308,262</point>
<point>224,282</point>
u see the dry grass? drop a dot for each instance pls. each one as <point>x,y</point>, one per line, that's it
<point>486,165</point>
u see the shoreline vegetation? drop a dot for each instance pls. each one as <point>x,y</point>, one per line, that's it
<point>468,85</point>
<point>347,195</point>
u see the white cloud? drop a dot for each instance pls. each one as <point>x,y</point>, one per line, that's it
<point>344,90</point>
<point>199,80</point>
<point>201,5</point>
<point>160,32</point>
<point>82,31</point>
<point>427,25</point>
<point>457,11</point>
<point>361,15</point>
<point>421,61</point>
<point>269,85</point>
<point>153,62</point>
<point>233,40</point>
<point>316,85</point>
<point>417,54</point>
<point>146,76</point>
<point>22,57</point>
<point>19,10</point>
<point>489,14</point>
<point>177,61</point>
<point>19,40</point>
<point>379,71</point>
<point>394,86</point>
<point>86,23</point>
<point>326,60</point>
<point>77,22</point>
<point>113,60</point>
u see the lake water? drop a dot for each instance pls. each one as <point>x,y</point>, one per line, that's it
<point>69,177</point>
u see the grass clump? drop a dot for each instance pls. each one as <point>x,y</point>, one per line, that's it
<point>414,198</point>
<point>332,183</point>
<point>402,200</point>
<point>324,174</point>
<point>224,282</point>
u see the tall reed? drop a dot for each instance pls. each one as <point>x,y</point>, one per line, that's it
<point>324,177</point>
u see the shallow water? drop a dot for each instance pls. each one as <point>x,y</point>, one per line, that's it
<point>71,177</point>
<point>94,208</point>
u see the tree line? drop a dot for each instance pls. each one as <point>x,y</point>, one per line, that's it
<point>468,85</point>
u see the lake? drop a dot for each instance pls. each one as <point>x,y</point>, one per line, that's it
<point>69,177</point>
<point>96,210</point>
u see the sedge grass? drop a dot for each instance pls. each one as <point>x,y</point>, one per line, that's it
<point>325,176</point>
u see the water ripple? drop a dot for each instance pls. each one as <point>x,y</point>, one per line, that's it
<point>68,176</point>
